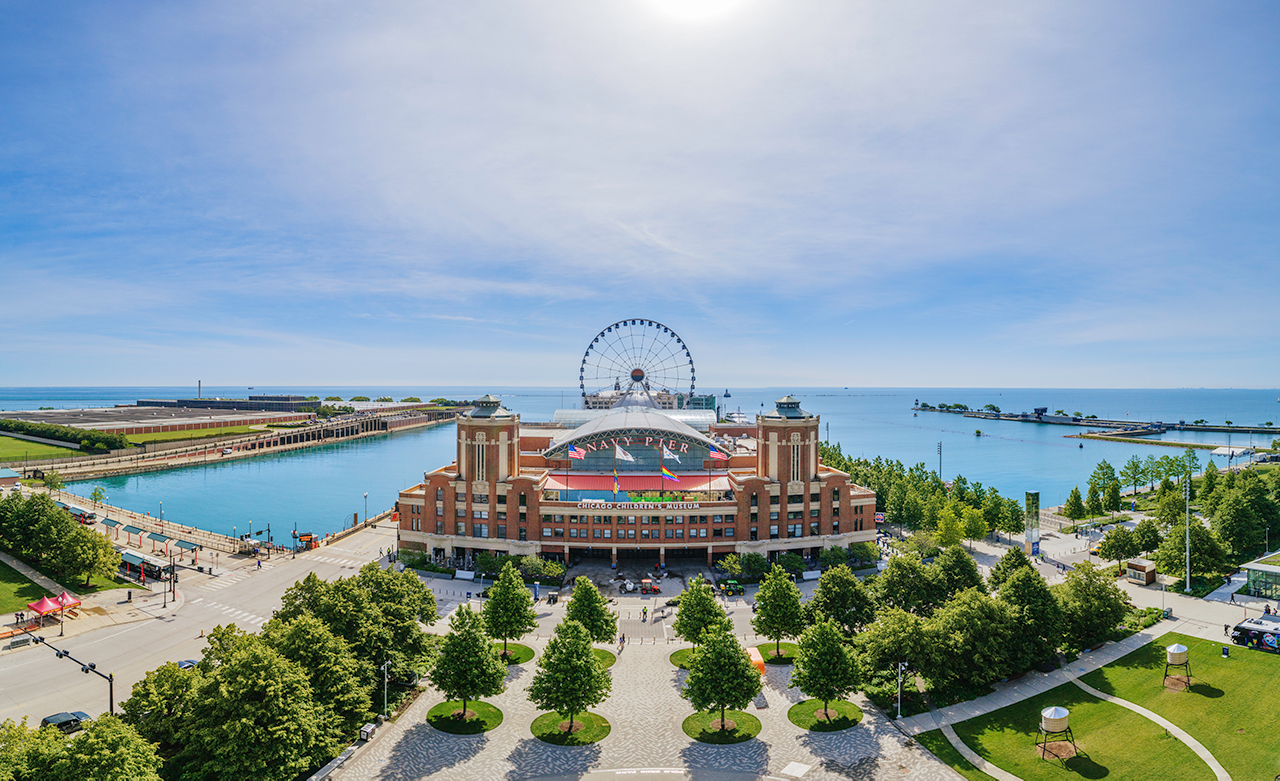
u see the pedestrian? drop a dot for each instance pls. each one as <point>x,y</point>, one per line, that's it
<point>259,563</point>
<point>1226,628</point>
<point>1233,598</point>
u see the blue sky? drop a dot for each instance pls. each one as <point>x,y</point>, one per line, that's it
<point>811,193</point>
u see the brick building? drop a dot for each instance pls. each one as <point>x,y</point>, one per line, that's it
<point>599,489</point>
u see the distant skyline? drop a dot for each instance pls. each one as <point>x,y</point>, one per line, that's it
<point>813,194</point>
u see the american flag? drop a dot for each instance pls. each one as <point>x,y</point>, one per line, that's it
<point>576,452</point>
<point>719,455</point>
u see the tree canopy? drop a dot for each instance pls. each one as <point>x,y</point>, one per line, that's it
<point>721,675</point>
<point>699,612</point>
<point>825,668</point>
<point>467,667</point>
<point>778,613</point>
<point>570,679</point>
<point>840,597</point>
<point>588,607</point>
<point>508,612</point>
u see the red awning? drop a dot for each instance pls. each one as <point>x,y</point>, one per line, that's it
<point>45,605</point>
<point>636,482</point>
<point>67,600</point>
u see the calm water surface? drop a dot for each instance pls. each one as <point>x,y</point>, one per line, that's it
<point>319,489</point>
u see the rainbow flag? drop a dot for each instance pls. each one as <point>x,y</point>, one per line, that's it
<point>666,475</point>
<point>616,485</point>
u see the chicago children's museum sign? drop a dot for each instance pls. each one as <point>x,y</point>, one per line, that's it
<point>589,504</point>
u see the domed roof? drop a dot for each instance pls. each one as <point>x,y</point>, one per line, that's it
<point>787,407</point>
<point>489,407</point>
<point>631,420</point>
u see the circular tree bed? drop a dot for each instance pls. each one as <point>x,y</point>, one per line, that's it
<point>788,656</point>
<point>480,717</point>
<point>681,658</point>
<point>606,657</point>
<point>516,653</point>
<point>809,715</point>
<point>705,727</point>
<point>587,728</point>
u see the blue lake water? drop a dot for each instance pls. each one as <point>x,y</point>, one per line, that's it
<point>319,489</point>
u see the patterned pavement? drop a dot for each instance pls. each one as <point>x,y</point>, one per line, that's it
<point>645,711</point>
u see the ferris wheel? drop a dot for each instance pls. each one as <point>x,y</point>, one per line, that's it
<point>634,355</point>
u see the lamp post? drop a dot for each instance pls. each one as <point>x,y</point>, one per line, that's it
<point>1186,494</point>
<point>385,674</point>
<point>366,506</point>
<point>940,461</point>
<point>901,666</point>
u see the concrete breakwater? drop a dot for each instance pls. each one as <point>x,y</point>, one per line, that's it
<point>1129,428</point>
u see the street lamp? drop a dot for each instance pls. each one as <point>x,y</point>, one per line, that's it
<point>385,675</point>
<point>90,667</point>
<point>1186,494</point>
<point>366,506</point>
<point>901,666</point>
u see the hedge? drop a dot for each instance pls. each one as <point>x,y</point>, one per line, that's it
<point>90,439</point>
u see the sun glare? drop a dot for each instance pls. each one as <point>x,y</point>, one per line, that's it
<point>696,10</point>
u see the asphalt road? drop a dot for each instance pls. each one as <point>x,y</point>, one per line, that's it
<point>36,683</point>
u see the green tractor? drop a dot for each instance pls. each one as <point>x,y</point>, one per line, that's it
<point>729,588</point>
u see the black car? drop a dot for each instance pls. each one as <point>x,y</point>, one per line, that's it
<point>67,722</point>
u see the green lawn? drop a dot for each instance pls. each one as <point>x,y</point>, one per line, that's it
<point>698,727</point>
<point>16,591</point>
<point>789,651</point>
<point>940,747</point>
<point>681,658</point>
<point>14,449</point>
<point>485,718</point>
<point>588,728</point>
<point>606,657</point>
<point>1228,708</point>
<point>805,715</point>
<point>516,653</point>
<point>203,433</point>
<point>1114,743</point>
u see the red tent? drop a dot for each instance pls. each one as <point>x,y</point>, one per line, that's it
<point>65,599</point>
<point>45,605</point>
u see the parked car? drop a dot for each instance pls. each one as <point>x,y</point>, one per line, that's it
<point>187,664</point>
<point>67,722</point>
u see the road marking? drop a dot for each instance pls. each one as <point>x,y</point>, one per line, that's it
<point>197,600</point>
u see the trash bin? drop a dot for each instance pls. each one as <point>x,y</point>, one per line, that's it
<point>366,732</point>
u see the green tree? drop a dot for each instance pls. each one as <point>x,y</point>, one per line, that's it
<point>721,675</point>
<point>570,679</point>
<point>1209,481</point>
<point>832,557</point>
<point>1133,473</point>
<point>1038,617</point>
<point>508,612</point>
<point>53,480</point>
<point>411,400</point>
<point>1146,535</point>
<point>97,496</point>
<point>825,667</point>
<point>1152,470</point>
<point>1093,503</point>
<point>467,667</point>
<point>908,585</point>
<point>83,554</point>
<point>590,609</point>
<point>1092,604</point>
<point>730,565</point>
<point>950,530</point>
<point>1119,544</point>
<point>255,717</point>
<point>754,565</point>
<point>778,613</point>
<point>1009,563</point>
<point>975,525</point>
<point>1111,500</point>
<point>333,398</point>
<point>791,562</point>
<point>895,637</point>
<point>841,598</point>
<point>955,571</point>
<point>699,612</point>
<point>331,668</point>
<point>1013,519</point>
<point>913,511</point>
<point>359,398</point>
<point>1103,473</point>
<point>863,553</point>
<point>973,633</point>
<point>108,749</point>
<point>384,399</point>
<point>1073,508</point>
<point>1236,523</point>
<point>161,704</point>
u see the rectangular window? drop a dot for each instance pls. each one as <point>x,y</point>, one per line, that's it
<point>795,530</point>
<point>773,516</point>
<point>595,533</point>
<point>502,531</point>
<point>546,532</point>
<point>679,534</point>
<point>795,462</point>
<point>439,512</point>
<point>755,533</point>
<point>482,514</point>
<point>728,531</point>
<point>813,513</point>
<point>479,453</point>
<point>559,519</point>
<point>717,532</point>
<point>813,530</point>
<point>524,518</point>
<point>480,499</point>
<point>439,527</point>
<point>730,518</point>
<point>558,533</point>
<point>502,515</point>
<point>755,500</point>
<point>439,494</point>
<point>524,534</point>
<point>717,519</point>
<point>835,527</point>
<point>773,500</point>
<point>755,517</point>
<point>644,534</point>
<point>524,500</point>
<point>795,515</point>
<point>480,530</point>
<point>814,498</point>
<point>773,532</point>
<point>670,533</point>
<point>608,533</point>
<point>795,499</point>
<point>461,512</point>
<point>461,529</point>
<point>573,533</point>
<point>702,532</point>
<point>835,495</point>
<point>631,534</point>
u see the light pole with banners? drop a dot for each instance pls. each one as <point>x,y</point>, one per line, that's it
<point>1186,494</point>
<point>901,666</point>
<point>366,506</point>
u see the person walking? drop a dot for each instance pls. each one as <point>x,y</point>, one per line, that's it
<point>259,563</point>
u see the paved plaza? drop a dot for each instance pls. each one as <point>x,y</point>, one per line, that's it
<point>645,711</point>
